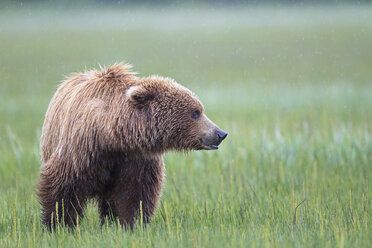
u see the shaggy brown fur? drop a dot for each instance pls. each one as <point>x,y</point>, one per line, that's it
<point>104,136</point>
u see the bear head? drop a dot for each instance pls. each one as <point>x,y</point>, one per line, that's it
<point>171,116</point>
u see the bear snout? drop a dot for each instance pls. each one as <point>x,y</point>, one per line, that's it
<point>213,139</point>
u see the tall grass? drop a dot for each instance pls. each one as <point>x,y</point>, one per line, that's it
<point>291,85</point>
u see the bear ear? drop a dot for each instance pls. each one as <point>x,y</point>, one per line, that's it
<point>140,95</point>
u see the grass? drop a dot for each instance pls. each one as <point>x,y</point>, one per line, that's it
<point>291,85</point>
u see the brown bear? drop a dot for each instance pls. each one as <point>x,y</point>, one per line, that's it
<point>104,136</point>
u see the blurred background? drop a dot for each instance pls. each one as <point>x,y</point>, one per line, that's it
<point>289,80</point>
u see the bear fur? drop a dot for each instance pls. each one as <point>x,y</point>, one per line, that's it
<point>104,136</point>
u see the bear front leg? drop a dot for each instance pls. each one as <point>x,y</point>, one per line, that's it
<point>130,205</point>
<point>61,203</point>
<point>138,187</point>
<point>107,211</point>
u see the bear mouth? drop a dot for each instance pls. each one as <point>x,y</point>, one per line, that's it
<point>211,147</point>
<point>208,146</point>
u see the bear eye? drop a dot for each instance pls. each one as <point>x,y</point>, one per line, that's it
<point>196,114</point>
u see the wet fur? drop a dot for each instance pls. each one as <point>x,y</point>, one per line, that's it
<point>99,142</point>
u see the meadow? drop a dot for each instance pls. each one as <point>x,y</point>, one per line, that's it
<point>292,85</point>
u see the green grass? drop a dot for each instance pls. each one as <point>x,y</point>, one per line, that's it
<point>291,85</point>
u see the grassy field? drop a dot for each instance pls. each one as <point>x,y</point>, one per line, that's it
<point>291,85</point>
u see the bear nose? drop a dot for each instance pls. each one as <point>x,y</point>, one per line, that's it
<point>221,135</point>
